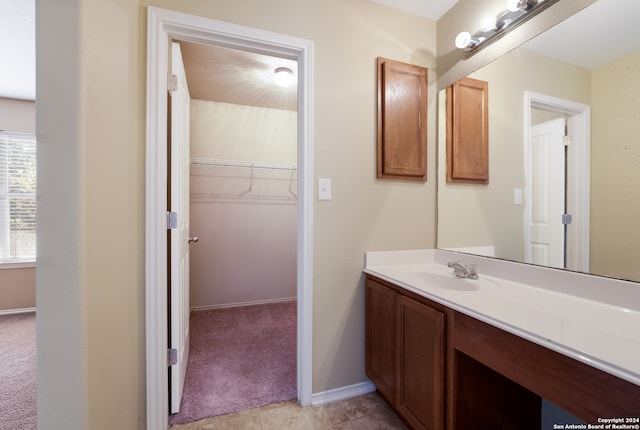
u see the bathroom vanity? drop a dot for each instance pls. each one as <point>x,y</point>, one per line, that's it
<point>455,353</point>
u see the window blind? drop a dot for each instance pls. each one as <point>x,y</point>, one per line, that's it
<point>17,197</point>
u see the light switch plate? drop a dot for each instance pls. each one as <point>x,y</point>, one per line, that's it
<point>324,189</point>
<point>517,196</point>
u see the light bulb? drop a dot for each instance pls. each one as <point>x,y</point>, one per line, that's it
<point>464,40</point>
<point>513,5</point>
<point>488,22</point>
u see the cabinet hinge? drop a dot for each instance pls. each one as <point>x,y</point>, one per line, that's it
<point>172,220</point>
<point>172,82</point>
<point>172,356</point>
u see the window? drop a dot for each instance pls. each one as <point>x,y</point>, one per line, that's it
<point>17,197</point>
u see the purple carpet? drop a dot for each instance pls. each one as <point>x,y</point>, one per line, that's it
<point>18,372</point>
<point>240,358</point>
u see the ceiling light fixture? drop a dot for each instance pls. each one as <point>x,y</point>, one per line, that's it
<point>283,77</point>
<point>517,12</point>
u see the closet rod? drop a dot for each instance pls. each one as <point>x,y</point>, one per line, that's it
<point>231,163</point>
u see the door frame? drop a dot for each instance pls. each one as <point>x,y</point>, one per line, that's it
<point>578,182</point>
<point>163,25</point>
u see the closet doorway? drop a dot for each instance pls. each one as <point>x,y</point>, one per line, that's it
<point>244,178</point>
<point>164,26</point>
<point>243,223</point>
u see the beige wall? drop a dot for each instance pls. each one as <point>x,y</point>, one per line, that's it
<point>17,286</point>
<point>17,115</point>
<point>496,221</point>
<point>91,113</point>
<point>615,169</point>
<point>90,274</point>
<point>243,133</point>
<point>247,228</point>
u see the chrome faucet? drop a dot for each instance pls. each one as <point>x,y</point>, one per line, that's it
<point>469,271</point>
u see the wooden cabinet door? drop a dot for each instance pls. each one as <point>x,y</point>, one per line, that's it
<point>468,132</point>
<point>420,360</point>
<point>402,121</point>
<point>381,338</point>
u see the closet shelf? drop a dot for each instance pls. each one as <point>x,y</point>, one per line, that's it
<point>239,164</point>
<point>217,180</point>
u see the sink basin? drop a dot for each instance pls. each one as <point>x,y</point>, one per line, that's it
<point>447,281</point>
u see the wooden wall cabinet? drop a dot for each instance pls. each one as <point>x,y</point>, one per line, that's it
<point>405,355</point>
<point>402,121</point>
<point>468,132</point>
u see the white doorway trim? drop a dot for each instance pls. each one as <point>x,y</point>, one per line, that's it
<point>578,167</point>
<point>163,25</point>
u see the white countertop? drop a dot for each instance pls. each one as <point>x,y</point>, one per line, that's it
<point>590,319</point>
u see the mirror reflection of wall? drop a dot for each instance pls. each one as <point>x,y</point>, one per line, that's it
<point>615,169</point>
<point>498,223</point>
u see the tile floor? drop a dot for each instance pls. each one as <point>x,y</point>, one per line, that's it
<point>368,412</point>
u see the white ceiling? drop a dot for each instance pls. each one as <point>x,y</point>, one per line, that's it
<point>17,57</point>
<point>432,9</point>
<point>603,32</point>
<point>606,30</point>
<point>232,76</point>
<point>17,49</point>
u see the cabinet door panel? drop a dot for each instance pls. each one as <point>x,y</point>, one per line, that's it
<point>381,337</point>
<point>402,121</point>
<point>420,395</point>
<point>468,132</point>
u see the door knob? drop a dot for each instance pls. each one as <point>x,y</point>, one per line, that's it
<point>193,239</point>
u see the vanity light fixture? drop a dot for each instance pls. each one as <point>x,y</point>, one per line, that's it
<point>493,28</point>
<point>283,77</point>
<point>515,5</point>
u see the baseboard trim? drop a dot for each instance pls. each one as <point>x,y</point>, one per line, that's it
<point>16,311</point>
<point>239,304</point>
<point>342,393</point>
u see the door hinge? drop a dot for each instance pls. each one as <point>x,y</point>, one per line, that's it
<point>567,140</point>
<point>566,219</point>
<point>172,356</point>
<point>172,82</point>
<point>172,220</point>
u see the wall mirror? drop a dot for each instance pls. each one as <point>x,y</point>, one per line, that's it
<point>580,78</point>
